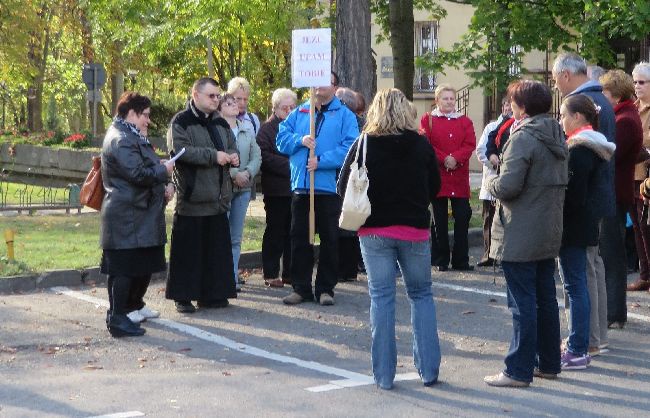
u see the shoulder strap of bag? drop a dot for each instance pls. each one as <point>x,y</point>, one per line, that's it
<point>430,124</point>
<point>363,142</point>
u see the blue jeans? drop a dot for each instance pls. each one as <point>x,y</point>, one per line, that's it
<point>535,319</point>
<point>414,258</point>
<point>236,217</point>
<point>573,262</point>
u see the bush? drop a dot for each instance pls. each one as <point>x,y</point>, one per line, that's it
<point>161,116</point>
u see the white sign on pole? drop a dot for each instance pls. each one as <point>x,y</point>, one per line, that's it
<point>311,57</point>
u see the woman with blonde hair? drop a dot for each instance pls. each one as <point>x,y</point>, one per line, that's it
<point>404,180</point>
<point>452,136</point>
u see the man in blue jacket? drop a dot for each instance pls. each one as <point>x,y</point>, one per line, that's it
<point>336,130</point>
<point>570,75</point>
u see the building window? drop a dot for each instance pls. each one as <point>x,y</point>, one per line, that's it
<point>515,67</point>
<point>426,40</point>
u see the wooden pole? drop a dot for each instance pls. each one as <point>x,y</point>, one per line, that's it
<point>312,133</point>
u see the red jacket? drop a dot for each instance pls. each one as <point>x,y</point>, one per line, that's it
<point>451,136</point>
<point>629,139</point>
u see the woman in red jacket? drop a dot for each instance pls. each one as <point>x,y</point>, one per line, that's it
<point>452,136</point>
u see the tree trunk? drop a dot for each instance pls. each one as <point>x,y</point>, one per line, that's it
<point>39,50</point>
<point>117,88</point>
<point>400,15</point>
<point>354,61</point>
<point>210,58</point>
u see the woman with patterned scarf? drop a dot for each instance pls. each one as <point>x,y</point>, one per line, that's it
<point>132,231</point>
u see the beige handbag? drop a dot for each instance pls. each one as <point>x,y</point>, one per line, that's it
<point>356,205</point>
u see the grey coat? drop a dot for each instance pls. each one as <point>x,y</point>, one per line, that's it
<point>133,210</point>
<point>530,190</point>
<point>203,187</point>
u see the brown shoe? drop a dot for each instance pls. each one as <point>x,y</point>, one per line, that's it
<point>286,280</point>
<point>638,286</point>
<point>543,375</point>
<point>501,380</point>
<point>274,282</point>
<point>293,299</point>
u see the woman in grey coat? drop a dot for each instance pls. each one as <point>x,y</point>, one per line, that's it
<point>527,233</point>
<point>132,228</point>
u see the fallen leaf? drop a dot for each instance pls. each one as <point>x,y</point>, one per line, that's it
<point>143,359</point>
<point>492,300</point>
<point>636,305</point>
<point>468,312</point>
<point>184,349</point>
<point>141,366</point>
<point>9,350</point>
<point>226,373</point>
<point>92,367</point>
<point>88,339</point>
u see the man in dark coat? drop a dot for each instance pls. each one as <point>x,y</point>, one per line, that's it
<point>570,75</point>
<point>200,260</point>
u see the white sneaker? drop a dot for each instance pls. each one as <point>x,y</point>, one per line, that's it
<point>135,317</point>
<point>147,313</point>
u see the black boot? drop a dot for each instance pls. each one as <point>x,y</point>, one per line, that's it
<point>121,326</point>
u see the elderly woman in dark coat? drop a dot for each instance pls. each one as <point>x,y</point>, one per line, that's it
<point>276,186</point>
<point>132,215</point>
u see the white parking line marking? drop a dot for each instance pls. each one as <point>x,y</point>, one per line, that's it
<point>350,379</point>
<point>503,295</point>
<point>121,415</point>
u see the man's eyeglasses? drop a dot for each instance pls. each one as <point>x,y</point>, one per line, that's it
<point>640,82</point>
<point>212,95</point>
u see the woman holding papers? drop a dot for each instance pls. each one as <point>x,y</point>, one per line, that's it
<point>132,230</point>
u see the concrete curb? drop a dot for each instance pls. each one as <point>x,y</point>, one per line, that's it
<point>91,275</point>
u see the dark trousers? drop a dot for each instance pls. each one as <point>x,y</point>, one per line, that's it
<point>612,251</point>
<point>641,238</point>
<point>462,212</point>
<point>327,209</point>
<point>488,215</point>
<point>349,255</point>
<point>535,319</point>
<point>125,293</point>
<point>276,242</point>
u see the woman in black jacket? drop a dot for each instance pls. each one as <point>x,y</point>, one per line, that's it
<point>589,152</point>
<point>404,180</point>
<point>132,227</point>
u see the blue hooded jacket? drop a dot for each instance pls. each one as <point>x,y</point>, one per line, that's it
<point>606,206</point>
<point>336,131</point>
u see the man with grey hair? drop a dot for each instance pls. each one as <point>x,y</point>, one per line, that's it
<point>594,72</point>
<point>570,75</point>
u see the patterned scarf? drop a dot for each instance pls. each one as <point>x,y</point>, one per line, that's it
<point>131,127</point>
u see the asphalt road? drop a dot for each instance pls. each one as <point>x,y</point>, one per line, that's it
<point>259,358</point>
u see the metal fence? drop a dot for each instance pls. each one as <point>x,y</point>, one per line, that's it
<point>16,195</point>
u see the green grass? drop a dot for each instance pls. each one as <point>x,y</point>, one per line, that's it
<point>52,242</point>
